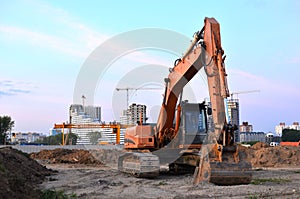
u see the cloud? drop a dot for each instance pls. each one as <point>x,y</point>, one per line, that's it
<point>277,100</point>
<point>39,39</point>
<point>9,87</point>
<point>295,60</point>
<point>89,37</point>
<point>242,80</point>
<point>73,38</point>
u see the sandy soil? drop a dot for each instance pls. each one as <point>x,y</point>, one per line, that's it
<point>106,182</point>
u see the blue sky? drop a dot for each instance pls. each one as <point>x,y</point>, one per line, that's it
<point>43,45</point>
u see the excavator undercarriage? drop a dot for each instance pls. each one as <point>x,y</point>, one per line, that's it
<point>206,166</point>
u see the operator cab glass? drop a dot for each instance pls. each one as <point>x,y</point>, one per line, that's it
<point>193,123</point>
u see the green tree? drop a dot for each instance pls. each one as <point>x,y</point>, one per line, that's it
<point>94,137</point>
<point>6,124</point>
<point>290,135</point>
<point>57,139</point>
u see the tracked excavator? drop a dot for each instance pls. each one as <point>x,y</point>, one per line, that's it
<point>185,137</point>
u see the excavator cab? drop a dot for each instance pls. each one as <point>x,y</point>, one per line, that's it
<point>194,123</point>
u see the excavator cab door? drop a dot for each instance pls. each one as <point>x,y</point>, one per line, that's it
<point>194,123</point>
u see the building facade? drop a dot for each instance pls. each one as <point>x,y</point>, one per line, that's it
<point>245,127</point>
<point>233,113</point>
<point>92,112</point>
<point>29,137</point>
<point>279,128</point>
<point>134,114</point>
<point>252,137</point>
<point>79,114</point>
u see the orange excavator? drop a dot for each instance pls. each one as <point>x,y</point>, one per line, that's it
<point>190,137</point>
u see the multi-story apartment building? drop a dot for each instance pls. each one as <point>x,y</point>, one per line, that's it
<point>26,137</point>
<point>252,137</point>
<point>279,128</point>
<point>233,113</point>
<point>246,127</point>
<point>134,114</point>
<point>84,115</point>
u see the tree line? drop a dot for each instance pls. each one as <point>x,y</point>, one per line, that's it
<point>6,125</point>
<point>290,135</point>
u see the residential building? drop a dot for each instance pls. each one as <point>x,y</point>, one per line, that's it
<point>28,137</point>
<point>92,112</point>
<point>252,136</point>
<point>245,127</point>
<point>295,126</point>
<point>279,128</point>
<point>124,117</point>
<point>233,113</point>
<point>134,114</point>
<point>84,115</point>
<point>107,136</point>
<point>54,131</point>
<point>270,137</point>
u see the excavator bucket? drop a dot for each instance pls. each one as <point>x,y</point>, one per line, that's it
<point>229,169</point>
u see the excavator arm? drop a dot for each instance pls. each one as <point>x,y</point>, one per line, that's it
<point>183,71</point>
<point>204,51</point>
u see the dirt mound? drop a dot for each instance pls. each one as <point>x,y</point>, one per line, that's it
<point>108,157</point>
<point>260,145</point>
<point>279,156</point>
<point>74,156</point>
<point>19,174</point>
<point>261,155</point>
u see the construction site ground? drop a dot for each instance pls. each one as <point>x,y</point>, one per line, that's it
<point>94,174</point>
<point>107,182</point>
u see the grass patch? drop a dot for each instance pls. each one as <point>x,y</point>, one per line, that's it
<point>2,168</point>
<point>253,197</point>
<point>260,181</point>
<point>56,194</point>
<point>161,183</point>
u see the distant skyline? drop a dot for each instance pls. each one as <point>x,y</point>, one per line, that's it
<point>44,44</point>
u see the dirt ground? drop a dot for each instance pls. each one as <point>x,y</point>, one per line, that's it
<point>276,174</point>
<point>94,174</point>
<point>107,182</point>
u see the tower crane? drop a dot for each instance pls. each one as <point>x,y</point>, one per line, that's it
<point>127,89</point>
<point>243,92</point>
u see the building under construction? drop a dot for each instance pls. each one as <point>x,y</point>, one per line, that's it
<point>234,116</point>
<point>134,114</point>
